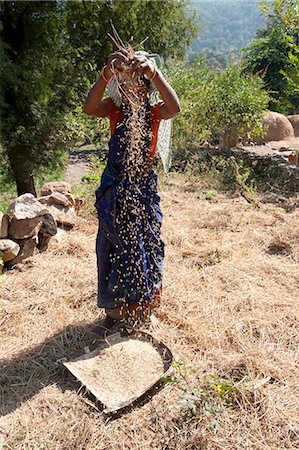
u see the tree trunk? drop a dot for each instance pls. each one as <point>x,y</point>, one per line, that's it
<point>25,185</point>
<point>20,166</point>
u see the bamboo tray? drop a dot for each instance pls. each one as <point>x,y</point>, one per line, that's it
<point>122,369</point>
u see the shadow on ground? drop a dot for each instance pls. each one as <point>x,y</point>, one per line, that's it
<point>28,372</point>
<point>78,155</point>
<point>23,376</point>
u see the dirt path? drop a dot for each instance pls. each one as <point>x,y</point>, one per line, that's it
<point>79,164</point>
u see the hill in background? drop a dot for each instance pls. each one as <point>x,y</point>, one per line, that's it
<point>227,26</point>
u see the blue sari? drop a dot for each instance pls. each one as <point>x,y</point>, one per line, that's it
<point>129,248</point>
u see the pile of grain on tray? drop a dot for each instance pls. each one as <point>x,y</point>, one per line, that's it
<point>121,372</point>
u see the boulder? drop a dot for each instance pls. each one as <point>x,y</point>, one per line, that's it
<point>26,206</point>
<point>55,186</point>
<point>8,249</point>
<point>72,199</point>
<point>48,229</point>
<point>294,119</point>
<point>63,216</point>
<point>60,236</point>
<point>55,199</point>
<point>293,159</point>
<point>27,248</point>
<point>25,228</point>
<point>43,242</point>
<point>49,225</point>
<point>4,222</point>
<point>78,204</point>
<point>278,128</point>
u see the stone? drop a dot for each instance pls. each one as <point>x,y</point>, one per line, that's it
<point>55,199</point>
<point>78,204</point>
<point>43,242</point>
<point>8,249</point>
<point>48,229</point>
<point>27,248</point>
<point>260,150</point>
<point>49,225</point>
<point>4,223</point>
<point>293,159</point>
<point>60,236</point>
<point>63,216</point>
<point>26,206</point>
<point>55,186</point>
<point>294,119</point>
<point>25,228</point>
<point>72,199</point>
<point>278,127</point>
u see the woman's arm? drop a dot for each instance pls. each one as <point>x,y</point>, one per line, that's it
<point>94,105</point>
<point>171,104</point>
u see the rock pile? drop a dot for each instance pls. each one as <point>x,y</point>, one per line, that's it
<point>31,222</point>
<point>59,201</point>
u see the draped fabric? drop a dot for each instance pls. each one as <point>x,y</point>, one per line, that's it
<point>129,248</point>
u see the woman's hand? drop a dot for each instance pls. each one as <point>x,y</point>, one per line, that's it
<point>115,61</point>
<point>140,65</point>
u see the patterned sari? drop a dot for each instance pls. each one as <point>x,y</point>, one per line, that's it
<point>129,248</point>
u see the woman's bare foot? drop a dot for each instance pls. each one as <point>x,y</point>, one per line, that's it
<point>105,325</point>
<point>154,322</point>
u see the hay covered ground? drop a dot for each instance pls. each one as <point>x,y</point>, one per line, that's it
<point>230,307</point>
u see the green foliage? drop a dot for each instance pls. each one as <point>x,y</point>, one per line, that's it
<point>89,129</point>
<point>221,105</point>
<point>202,394</point>
<point>85,191</point>
<point>35,99</point>
<point>194,85</point>
<point>244,180</point>
<point>51,52</point>
<point>220,173</point>
<point>7,187</point>
<point>291,76</point>
<point>239,104</point>
<point>275,53</point>
<point>227,26</point>
<point>211,194</point>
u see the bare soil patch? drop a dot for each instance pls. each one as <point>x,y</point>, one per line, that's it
<point>79,164</point>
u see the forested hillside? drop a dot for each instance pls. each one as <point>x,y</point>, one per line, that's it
<point>226,27</point>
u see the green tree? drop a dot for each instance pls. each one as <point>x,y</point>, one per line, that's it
<point>51,52</point>
<point>275,54</point>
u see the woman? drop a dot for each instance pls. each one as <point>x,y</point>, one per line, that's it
<point>129,247</point>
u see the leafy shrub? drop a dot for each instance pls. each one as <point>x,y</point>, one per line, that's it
<point>193,85</point>
<point>202,394</point>
<point>275,53</point>
<point>86,189</point>
<point>239,105</point>
<point>217,106</point>
<point>88,128</point>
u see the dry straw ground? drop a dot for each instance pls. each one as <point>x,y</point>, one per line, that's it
<point>230,306</point>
